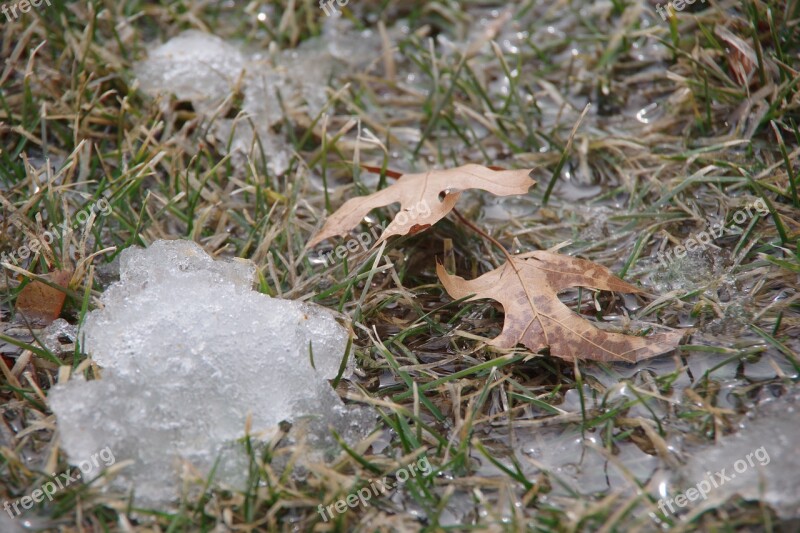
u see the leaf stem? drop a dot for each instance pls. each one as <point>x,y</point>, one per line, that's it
<point>482,233</point>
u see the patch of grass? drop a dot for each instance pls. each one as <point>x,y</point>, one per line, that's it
<point>672,141</point>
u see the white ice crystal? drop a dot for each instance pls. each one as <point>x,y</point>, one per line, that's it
<point>188,352</point>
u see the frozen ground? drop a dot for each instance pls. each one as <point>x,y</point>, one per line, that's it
<point>239,126</point>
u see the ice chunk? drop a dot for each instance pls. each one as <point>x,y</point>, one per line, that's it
<point>194,66</point>
<point>239,138</point>
<point>205,70</point>
<point>188,351</point>
<point>760,461</point>
<point>261,93</point>
<point>59,337</point>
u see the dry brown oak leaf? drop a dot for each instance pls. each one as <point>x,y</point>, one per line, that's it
<point>418,194</point>
<point>528,286</point>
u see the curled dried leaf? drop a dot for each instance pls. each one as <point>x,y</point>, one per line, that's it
<point>425,198</point>
<point>527,286</point>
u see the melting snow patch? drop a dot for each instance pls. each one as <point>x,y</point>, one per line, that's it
<point>206,70</point>
<point>760,462</point>
<point>188,352</point>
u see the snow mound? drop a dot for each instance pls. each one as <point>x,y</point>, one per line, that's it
<point>189,351</point>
